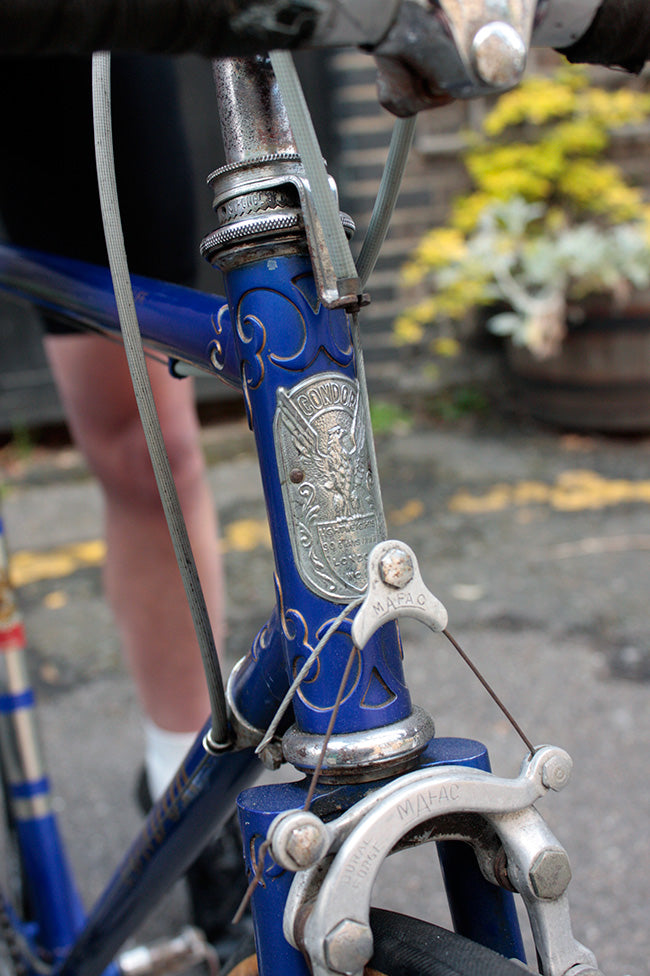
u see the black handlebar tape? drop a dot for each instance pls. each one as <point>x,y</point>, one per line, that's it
<point>619,36</point>
<point>215,28</point>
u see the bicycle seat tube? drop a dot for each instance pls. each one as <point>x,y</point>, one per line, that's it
<point>308,414</point>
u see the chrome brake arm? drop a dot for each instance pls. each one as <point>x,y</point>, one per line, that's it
<point>538,868</point>
<point>334,893</point>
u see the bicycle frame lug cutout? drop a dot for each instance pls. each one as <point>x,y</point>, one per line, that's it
<point>362,756</point>
<point>395,589</point>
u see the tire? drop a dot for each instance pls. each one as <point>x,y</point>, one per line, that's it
<point>407,946</point>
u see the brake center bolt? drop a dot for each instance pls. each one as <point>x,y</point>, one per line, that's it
<point>396,568</point>
<point>550,874</point>
<point>348,947</point>
<point>299,839</point>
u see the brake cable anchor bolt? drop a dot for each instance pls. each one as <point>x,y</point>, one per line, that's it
<point>299,839</point>
<point>396,568</point>
<point>556,772</point>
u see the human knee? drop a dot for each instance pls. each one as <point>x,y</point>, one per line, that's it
<point>125,470</point>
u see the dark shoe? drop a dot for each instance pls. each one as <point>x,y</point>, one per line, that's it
<point>216,882</point>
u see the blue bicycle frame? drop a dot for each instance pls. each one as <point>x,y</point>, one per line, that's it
<point>295,361</point>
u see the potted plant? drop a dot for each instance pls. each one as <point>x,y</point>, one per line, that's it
<point>552,240</point>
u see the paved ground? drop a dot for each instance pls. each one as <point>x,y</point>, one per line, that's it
<point>538,544</point>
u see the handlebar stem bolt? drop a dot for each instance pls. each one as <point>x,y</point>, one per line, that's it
<point>396,568</point>
<point>348,947</point>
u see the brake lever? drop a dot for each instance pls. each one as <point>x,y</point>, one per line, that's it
<point>437,50</point>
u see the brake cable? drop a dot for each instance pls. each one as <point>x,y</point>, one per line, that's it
<point>218,735</point>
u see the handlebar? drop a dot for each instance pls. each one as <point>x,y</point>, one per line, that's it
<point>428,50</point>
<point>619,36</point>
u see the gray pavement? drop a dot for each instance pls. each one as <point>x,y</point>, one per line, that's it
<point>539,546</point>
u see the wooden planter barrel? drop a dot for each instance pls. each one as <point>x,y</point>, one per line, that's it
<point>600,381</point>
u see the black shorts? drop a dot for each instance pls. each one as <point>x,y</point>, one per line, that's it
<point>48,185</point>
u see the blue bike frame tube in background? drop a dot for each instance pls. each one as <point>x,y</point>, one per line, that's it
<point>50,890</point>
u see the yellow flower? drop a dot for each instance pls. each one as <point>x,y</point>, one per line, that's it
<point>578,136</point>
<point>613,109</point>
<point>407,332</point>
<point>466,211</point>
<point>441,246</point>
<point>446,346</point>
<point>601,189</point>
<point>459,297</point>
<point>413,272</point>
<point>556,161</point>
<point>437,249</point>
<point>536,101</point>
<point>514,170</point>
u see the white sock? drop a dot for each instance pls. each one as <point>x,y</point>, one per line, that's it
<point>163,753</point>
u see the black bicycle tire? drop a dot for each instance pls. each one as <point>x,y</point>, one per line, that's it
<point>406,946</point>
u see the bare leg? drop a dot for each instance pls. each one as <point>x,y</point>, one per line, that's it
<point>141,577</point>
